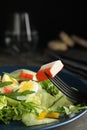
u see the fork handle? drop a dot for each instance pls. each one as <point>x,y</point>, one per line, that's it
<point>78,72</point>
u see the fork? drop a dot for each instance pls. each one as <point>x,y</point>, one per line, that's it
<point>71,93</point>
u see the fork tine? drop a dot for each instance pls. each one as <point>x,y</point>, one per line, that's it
<point>70,89</point>
<point>58,80</point>
<point>65,89</point>
<point>58,84</point>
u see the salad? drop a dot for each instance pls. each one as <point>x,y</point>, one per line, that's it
<point>23,98</point>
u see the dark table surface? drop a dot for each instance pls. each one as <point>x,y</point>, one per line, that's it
<point>79,124</point>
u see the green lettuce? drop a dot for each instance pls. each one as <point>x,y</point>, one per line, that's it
<point>49,87</point>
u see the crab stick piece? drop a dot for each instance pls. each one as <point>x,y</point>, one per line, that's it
<point>27,74</point>
<point>51,69</point>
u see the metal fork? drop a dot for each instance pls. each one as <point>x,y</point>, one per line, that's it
<point>71,93</point>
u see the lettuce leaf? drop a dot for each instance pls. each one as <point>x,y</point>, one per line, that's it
<point>49,87</point>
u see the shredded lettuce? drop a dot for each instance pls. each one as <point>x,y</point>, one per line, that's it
<point>13,110</point>
<point>6,83</point>
<point>49,87</point>
<point>15,94</point>
<point>3,102</point>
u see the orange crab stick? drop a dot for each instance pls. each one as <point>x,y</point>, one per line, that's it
<point>51,68</point>
<point>26,75</point>
<point>7,90</point>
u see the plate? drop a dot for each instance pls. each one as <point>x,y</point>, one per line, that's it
<point>69,78</point>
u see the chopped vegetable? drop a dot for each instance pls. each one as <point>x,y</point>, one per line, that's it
<point>53,115</point>
<point>42,115</point>
<point>49,87</point>
<point>6,83</point>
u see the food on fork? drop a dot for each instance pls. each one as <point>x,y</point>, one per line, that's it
<point>51,68</point>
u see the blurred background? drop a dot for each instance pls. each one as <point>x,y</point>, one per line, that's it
<point>35,32</point>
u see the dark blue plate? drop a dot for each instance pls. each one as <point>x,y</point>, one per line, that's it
<point>68,78</point>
